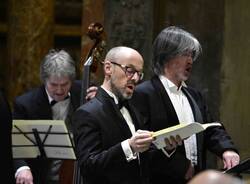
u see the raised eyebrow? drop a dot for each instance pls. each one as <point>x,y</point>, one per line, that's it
<point>133,67</point>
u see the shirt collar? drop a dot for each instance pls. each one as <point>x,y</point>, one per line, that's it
<point>170,85</point>
<point>50,98</point>
<point>112,95</point>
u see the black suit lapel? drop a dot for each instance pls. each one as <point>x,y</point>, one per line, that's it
<point>198,118</point>
<point>168,106</point>
<point>113,112</point>
<point>136,117</point>
<point>194,106</point>
<point>43,106</point>
<point>75,96</point>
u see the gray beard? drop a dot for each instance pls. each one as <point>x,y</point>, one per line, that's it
<point>118,93</point>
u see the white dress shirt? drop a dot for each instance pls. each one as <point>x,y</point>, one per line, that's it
<point>125,145</point>
<point>184,113</point>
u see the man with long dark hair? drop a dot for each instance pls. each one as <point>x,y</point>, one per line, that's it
<point>166,100</point>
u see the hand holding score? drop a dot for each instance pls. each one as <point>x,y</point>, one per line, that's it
<point>173,142</point>
<point>140,141</point>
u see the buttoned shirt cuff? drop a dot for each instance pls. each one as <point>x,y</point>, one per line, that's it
<point>21,169</point>
<point>128,151</point>
<point>168,153</point>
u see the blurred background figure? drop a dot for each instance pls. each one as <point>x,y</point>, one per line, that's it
<point>56,99</point>
<point>215,177</point>
<point>7,173</point>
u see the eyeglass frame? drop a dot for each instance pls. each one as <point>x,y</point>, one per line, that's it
<point>189,53</point>
<point>129,74</point>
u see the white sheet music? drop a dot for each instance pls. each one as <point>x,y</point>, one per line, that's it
<point>57,144</point>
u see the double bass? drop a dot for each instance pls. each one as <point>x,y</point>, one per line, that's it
<point>93,58</point>
<point>70,172</point>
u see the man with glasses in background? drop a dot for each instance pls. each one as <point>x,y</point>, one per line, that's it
<point>166,100</point>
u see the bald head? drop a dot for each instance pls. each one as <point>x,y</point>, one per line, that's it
<point>214,177</point>
<point>123,69</point>
<point>116,54</point>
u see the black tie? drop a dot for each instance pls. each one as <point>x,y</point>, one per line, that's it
<point>53,102</point>
<point>122,103</point>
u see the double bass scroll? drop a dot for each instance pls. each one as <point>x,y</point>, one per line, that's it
<point>93,57</point>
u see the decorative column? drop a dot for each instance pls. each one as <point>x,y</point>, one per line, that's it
<point>30,36</point>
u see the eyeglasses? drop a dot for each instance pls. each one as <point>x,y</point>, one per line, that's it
<point>129,71</point>
<point>191,54</point>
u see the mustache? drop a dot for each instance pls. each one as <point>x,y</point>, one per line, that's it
<point>132,82</point>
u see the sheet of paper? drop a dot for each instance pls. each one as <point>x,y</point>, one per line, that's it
<point>57,144</point>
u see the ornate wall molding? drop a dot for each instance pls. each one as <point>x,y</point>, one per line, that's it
<point>130,23</point>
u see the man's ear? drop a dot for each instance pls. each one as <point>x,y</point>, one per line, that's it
<point>107,67</point>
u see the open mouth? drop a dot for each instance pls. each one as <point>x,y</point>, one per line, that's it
<point>188,69</point>
<point>131,87</point>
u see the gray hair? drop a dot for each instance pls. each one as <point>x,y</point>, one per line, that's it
<point>57,63</point>
<point>172,42</point>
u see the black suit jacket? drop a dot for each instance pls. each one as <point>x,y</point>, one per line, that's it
<point>7,173</point>
<point>35,105</point>
<point>100,129</point>
<point>152,100</point>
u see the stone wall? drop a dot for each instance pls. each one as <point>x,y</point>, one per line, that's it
<point>235,75</point>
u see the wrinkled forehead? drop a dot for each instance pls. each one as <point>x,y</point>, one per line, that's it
<point>58,79</point>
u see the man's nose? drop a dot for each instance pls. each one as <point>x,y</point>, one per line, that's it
<point>59,89</point>
<point>135,77</point>
<point>190,60</point>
